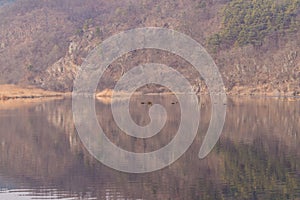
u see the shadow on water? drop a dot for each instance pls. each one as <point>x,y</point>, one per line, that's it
<point>257,156</point>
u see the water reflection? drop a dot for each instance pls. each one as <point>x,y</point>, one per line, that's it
<point>256,158</point>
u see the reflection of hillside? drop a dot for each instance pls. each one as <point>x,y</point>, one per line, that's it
<point>269,119</point>
<point>40,147</point>
<point>36,150</point>
<point>62,119</point>
<point>139,109</point>
<point>256,172</point>
<point>260,148</point>
<point>31,146</point>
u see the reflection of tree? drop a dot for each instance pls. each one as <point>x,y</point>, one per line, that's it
<point>256,172</point>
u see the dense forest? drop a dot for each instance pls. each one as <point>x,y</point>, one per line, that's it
<point>249,22</point>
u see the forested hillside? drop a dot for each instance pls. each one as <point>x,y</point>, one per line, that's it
<point>250,22</point>
<point>255,43</point>
<point>4,2</point>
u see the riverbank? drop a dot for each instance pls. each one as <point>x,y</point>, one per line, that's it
<point>237,91</point>
<point>13,92</point>
<point>12,96</point>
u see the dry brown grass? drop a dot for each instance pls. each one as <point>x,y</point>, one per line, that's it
<point>9,92</point>
<point>12,96</point>
<point>18,103</point>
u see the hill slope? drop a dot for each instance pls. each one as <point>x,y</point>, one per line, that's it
<point>42,42</point>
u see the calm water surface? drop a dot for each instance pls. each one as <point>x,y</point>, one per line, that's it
<point>257,157</point>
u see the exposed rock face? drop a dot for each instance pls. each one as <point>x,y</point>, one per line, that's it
<point>43,43</point>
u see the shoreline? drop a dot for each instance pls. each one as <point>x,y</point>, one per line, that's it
<point>107,93</point>
<point>13,92</point>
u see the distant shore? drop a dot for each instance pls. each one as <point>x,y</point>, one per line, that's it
<point>13,92</point>
<point>241,91</point>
